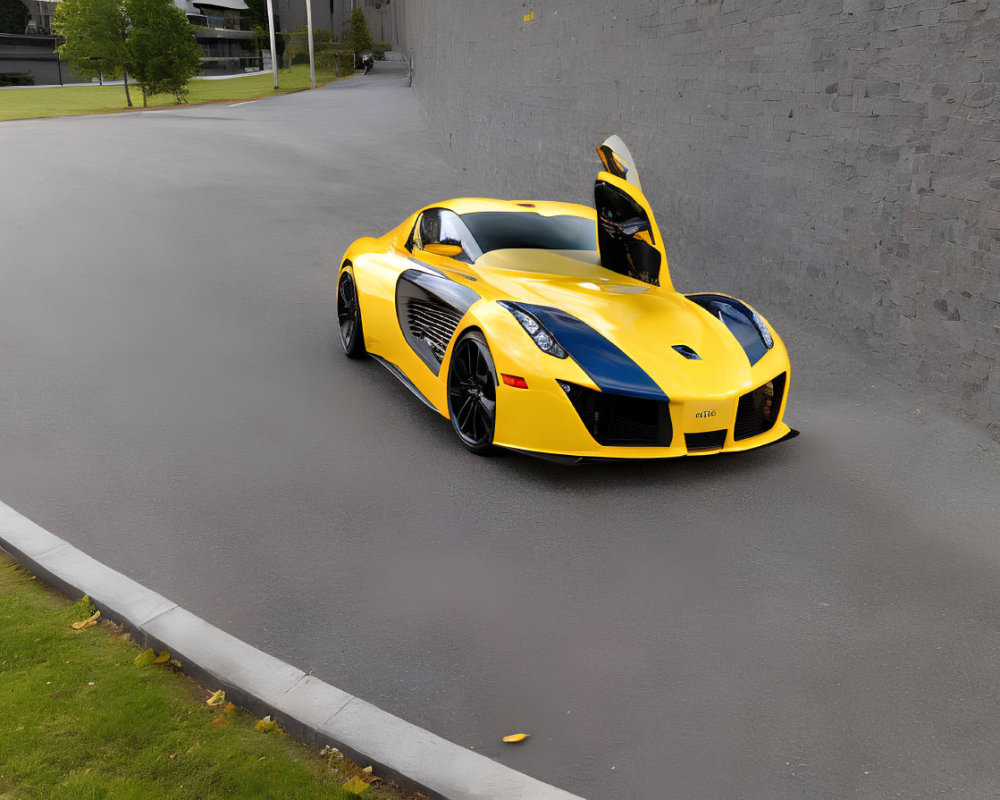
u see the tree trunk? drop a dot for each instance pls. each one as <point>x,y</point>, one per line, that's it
<point>128,98</point>
<point>144,97</point>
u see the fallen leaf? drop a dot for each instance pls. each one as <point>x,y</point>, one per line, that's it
<point>162,658</point>
<point>228,708</point>
<point>356,785</point>
<point>86,623</point>
<point>216,699</point>
<point>220,721</point>
<point>367,770</point>
<point>145,658</point>
<point>516,737</point>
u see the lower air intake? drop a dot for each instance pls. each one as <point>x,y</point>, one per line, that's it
<point>617,420</point>
<point>759,410</point>
<point>709,440</point>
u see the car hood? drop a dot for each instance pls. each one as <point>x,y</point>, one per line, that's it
<point>645,322</point>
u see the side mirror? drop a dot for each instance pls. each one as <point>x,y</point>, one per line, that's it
<point>446,249</point>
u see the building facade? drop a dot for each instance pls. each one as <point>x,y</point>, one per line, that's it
<point>29,59</point>
<point>221,27</point>
<point>335,15</point>
<point>225,34</point>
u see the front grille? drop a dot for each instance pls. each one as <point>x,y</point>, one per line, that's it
<point>432,323</point>
<point>708,440</point>
<point>617,420</point>
<point>759,410</point>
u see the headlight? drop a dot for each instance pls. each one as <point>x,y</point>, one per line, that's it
<point>539,334</point>
<point>745,324</point>
<point>762,329</point>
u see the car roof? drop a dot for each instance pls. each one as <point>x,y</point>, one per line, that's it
<point>547,208</point>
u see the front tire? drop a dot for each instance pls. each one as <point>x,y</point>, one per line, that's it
<point>472,393</point>
<point>352,335</point>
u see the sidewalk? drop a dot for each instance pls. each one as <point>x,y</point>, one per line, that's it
<point>136,85</point>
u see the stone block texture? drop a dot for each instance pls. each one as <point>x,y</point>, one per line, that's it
<point>835,162</point>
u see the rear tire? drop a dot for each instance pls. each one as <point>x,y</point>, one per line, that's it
<point>472,393</point>
<point>352,335</point>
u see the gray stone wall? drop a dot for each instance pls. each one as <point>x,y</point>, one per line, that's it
<point>835,161</point>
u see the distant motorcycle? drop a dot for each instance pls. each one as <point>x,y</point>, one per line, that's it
<point>366,61</point>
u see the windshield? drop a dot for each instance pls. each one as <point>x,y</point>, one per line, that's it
<point>498,230</point>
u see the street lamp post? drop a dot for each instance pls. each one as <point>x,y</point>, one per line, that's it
<point>309,26</point>
<point>274,49</point>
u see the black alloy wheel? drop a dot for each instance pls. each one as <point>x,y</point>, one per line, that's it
<point>472,393</point>
<point>349,317</point>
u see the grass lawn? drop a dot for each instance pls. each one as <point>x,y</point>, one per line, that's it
<point>60,101</point>
<point>82,719</point>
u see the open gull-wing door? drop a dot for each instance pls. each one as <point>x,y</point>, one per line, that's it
<point>627,235</point>
<point>618,160</point>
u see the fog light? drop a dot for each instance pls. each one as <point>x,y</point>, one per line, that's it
<point>764,400</point>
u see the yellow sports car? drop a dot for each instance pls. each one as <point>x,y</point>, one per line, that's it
<point>553,329</point>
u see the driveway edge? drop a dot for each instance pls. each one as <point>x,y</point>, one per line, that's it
<point>309,709</point>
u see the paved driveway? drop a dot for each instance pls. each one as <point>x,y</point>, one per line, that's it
<point>813,620</point>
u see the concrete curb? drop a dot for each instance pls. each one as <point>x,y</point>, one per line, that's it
<point>306,707</point>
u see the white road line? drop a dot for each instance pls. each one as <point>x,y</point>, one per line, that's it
<point>244,103</point>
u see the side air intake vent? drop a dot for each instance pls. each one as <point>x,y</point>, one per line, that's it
<point>617,420</point>
<point>429,308</point>
<point>432,324</point>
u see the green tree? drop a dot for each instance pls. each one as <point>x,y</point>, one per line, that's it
<point>298,43</point>
<point>257,12</point>
<point>329,53</point>
<point>14,16</point>
<point>359,38</point>
<point>257,17</point>
<point>163,52</point>
<point>95,38</point>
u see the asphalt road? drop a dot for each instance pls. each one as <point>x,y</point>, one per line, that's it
<point>818,619</point>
